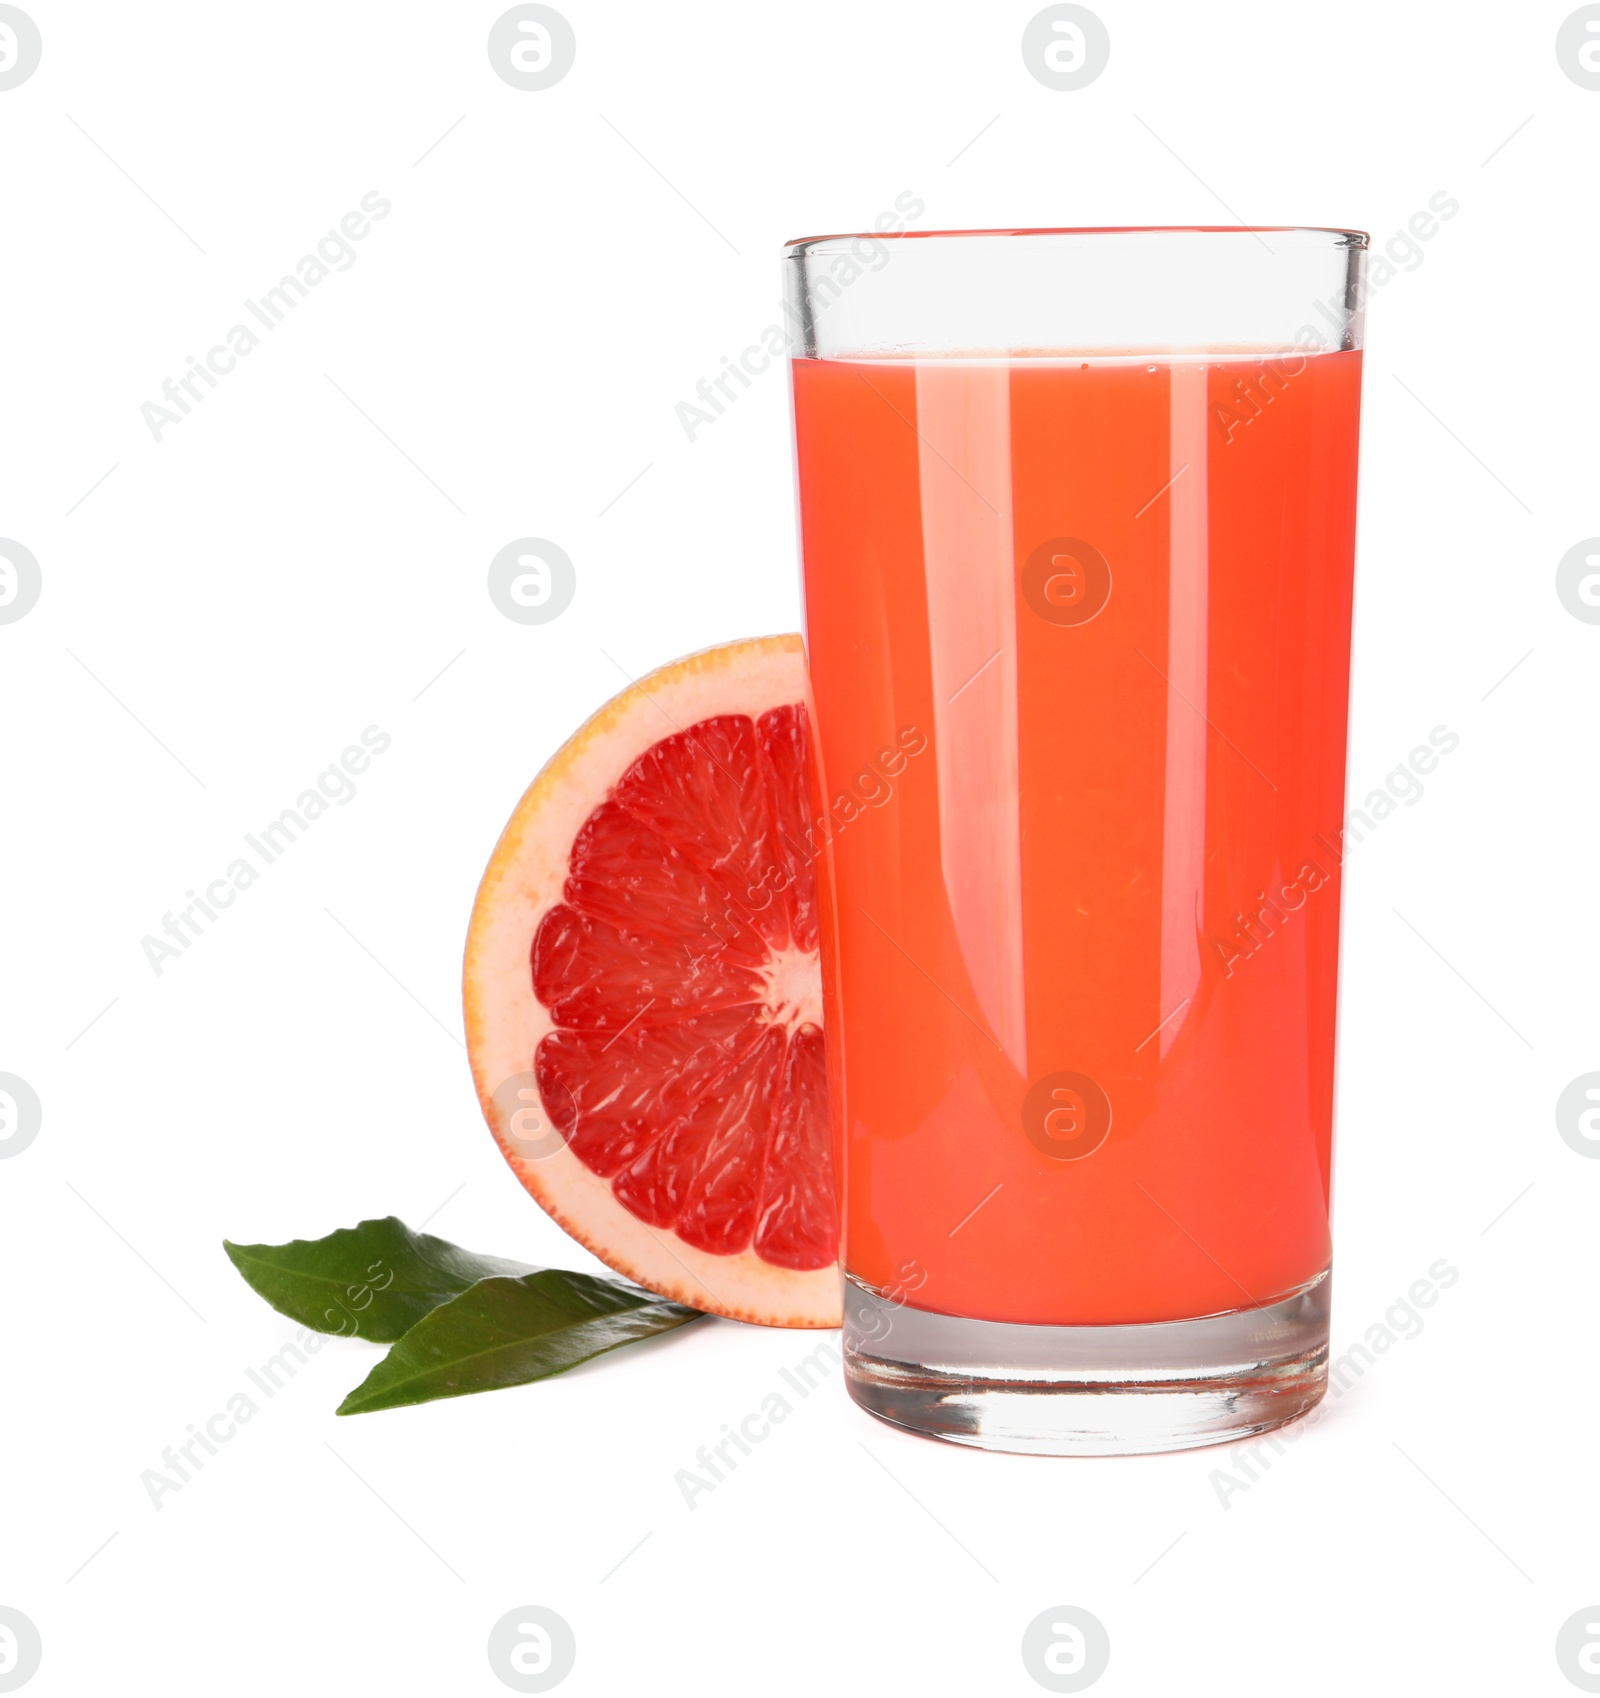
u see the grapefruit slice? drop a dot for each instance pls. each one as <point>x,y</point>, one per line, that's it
<point>643,998</point>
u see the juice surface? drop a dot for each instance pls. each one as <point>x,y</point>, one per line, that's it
<point>1078,633</point>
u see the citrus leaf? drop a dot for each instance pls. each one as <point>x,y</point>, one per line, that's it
<point>375,1280</point>
<point>508,1331</point>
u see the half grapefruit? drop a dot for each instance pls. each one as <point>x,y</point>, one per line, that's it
<point>643,999</point>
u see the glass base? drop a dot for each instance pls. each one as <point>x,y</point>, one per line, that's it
<point>1087,1391</point>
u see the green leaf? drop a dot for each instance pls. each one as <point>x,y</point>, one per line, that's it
<point>375,1280</point>
<point>507,1331</point>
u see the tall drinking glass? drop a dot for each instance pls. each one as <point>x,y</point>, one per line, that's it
<point>1077,513</point>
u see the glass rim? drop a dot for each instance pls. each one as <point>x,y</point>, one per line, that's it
<point>1341,238</point>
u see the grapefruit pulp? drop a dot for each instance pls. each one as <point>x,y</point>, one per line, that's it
<point>642,992</point>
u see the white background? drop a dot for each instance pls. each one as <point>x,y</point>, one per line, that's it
<point>301,557</point>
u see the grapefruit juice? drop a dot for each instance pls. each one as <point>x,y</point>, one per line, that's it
<point>1078,637</point>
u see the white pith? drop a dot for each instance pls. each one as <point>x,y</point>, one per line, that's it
<point>794,988</point>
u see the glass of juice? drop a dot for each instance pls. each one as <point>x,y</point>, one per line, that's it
<point>1077,517</point>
